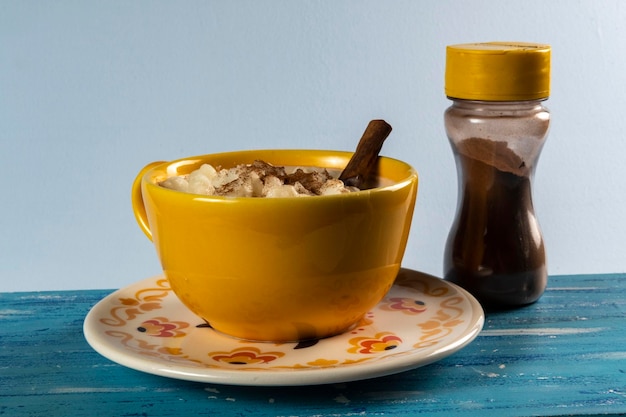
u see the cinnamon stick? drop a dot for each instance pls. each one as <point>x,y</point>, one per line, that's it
<point>362,169</point>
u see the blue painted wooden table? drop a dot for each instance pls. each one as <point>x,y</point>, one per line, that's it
<point>564,355</point>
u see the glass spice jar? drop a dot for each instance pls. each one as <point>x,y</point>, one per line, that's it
<point>497,126</point>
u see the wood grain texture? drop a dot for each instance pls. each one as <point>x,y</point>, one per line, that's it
<point>564,355</point>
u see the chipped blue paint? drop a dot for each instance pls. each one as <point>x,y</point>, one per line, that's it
<point>565,355</point>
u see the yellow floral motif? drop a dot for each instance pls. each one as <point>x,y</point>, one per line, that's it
<point>441,324</point>
<point>170,354</point>
<point>245,356</point>
<point>163,327</point>
<point>405,305</point>
<point>323,363</point>
<point>174,351</point>
<point>380,342</point>
<point>146,299</point>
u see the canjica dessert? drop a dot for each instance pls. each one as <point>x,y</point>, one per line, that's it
<point>259,179</point>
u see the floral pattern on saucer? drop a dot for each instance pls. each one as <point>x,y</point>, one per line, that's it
<point>145,327</point>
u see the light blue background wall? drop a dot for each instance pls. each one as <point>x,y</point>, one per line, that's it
<point>90,91</point>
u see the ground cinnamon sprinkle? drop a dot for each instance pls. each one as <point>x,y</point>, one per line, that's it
<point>494,153</point>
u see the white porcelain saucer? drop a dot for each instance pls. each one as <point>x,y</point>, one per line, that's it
<point>421,320</point>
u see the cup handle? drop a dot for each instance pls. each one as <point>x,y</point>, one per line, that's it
<point>139,208</point>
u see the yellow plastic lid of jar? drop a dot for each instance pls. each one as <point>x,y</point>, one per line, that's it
<point>498,71</point>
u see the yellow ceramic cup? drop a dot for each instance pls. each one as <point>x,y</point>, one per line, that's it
<point>278,269</point>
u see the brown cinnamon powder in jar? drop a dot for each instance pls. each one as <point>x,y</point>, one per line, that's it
<point>495,249</point>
